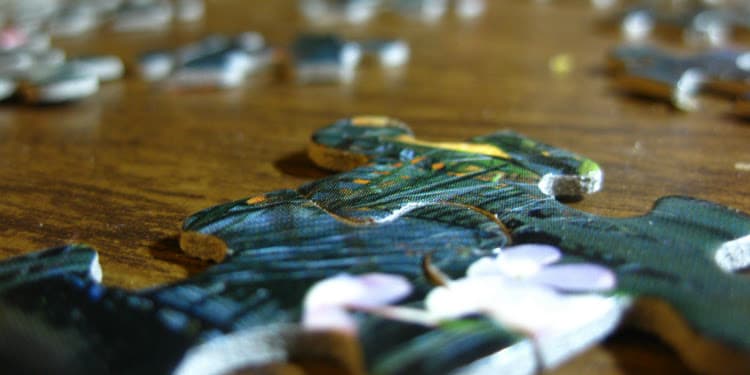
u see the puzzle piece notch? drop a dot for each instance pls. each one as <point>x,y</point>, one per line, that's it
<point>656,73</point>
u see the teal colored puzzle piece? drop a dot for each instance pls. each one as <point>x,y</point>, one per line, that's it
<point>503,185</point>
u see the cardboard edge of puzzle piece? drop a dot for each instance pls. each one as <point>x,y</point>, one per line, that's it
<point>700,353</point>
<point>60,85</point>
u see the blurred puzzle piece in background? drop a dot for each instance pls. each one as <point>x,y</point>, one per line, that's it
<point>360,11</point>
<point>657,73</point>
<point>408,252</point>
<point>709,23</point>
<point>214,61</point>
<point>328,58</point>
<point>45,75</point>
<point>218,61</point>
<point>74,18</point>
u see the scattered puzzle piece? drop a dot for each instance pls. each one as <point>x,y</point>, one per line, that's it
<point>653,72</point>
<point>59,84</point>
<point>143,15</point>
<point>42,74</point>
<point>214,61</point>
<point>74,18</point>
<point>103,67</point>
<point>328,58</point>
<point>220,61</point>
<point>324,58</point>
<point>411,212</point>
<point>360,11</point>
<point>701,22</point>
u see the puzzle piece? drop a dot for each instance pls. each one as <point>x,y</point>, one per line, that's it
<point>354,11</point>
<point>214,61</point>
<point>103,67</point>
<point>43,75</point>
<point>328,58</point>
<point>143,15</point>
<point>59,84</point>
<point>701,22</point>
<point>73,18</point>
<point>502,178</point>
<point>7,88</point>
<point>49,78</point>
<point>653,72</point>
<point>220,61</point>
<point>324,58</point>
<point>408,208</point>
<point>360,11</point>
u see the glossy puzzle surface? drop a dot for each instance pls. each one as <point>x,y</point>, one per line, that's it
<point>383,252</point>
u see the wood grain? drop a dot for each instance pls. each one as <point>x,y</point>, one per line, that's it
<point>121,170</point>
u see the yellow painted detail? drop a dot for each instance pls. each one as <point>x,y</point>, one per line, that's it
<point>361,181</point>
<point>474,148</point>
<point>256,199</point>
<point>472,168</point>
<point>370,120</point>
<point>417,159</point>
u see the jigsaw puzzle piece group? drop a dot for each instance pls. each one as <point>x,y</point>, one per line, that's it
<point>42,74</point>
<point>221,61</point>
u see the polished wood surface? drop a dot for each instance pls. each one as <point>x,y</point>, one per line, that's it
<point>121,170</point>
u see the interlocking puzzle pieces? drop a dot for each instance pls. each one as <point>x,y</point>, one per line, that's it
<point>44,75</point>
<point>402,182</point>
<point>701,22</point>
<point>410,209</point>
<point>360,11</point>
<point>657,73</point>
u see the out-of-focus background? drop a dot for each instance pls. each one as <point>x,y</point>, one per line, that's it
<point>120,169</point>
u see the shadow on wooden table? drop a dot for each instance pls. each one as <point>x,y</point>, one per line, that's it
<point>299,165</point>
<point>168,249</point>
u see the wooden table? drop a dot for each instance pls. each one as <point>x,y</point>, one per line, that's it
<point>121,170</point>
